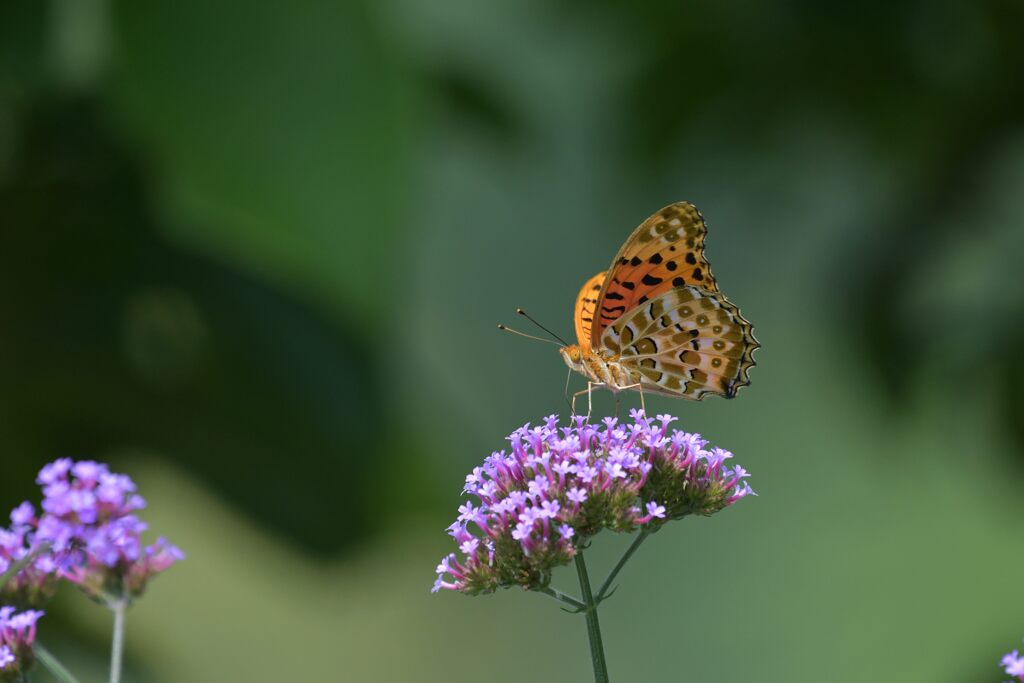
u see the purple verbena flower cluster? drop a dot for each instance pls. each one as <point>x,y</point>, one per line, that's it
<point>87,533</point>
<point>17,633</point>
<point>1013,664</point>
<point>557,487</point>
<point>37,581</point>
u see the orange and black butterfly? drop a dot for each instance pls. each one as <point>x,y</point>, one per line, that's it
<point>656,322</point>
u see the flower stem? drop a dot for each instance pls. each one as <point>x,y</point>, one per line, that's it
<point>562,597</point>
<point>603,592</point>
<point>16,568</point>
<point>593,627</point>
<point>119,607</point>
<point>53,665</point>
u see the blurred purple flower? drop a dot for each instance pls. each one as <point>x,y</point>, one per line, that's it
<point>91,535</point>
<point>557,487</point>
<point>37,581</point>
<point>119,566</point>
<point>86,492</point>
<point>17,634</point>
<point>1013,664</point>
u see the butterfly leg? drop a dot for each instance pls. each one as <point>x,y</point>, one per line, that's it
<point>640,388</point>
<point>587,391</point>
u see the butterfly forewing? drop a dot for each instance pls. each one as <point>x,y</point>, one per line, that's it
<point>665,252</point>
<point>586,304</point>
<point>687,342</point>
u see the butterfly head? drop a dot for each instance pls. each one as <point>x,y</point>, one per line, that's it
<point>573,356</point>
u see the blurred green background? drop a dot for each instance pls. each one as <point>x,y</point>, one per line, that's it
<point>253,254</point>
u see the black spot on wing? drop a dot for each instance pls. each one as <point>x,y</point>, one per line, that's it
<point>650,280</point>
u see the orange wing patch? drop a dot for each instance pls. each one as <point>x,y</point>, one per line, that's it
<point>664,253</point>
<point>586,304</point>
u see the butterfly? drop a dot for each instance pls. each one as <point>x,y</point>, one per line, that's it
<point>656,322</point>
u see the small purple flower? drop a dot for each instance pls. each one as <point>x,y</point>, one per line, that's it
<point>615,471</point>
<point>23,515</point>
<point>55,471</point>
<point>577,481</point>
<point>466,512</point>
<point>576,494</point>
<point>564,468</point>
<point>549,509</point>
<point>1013,664</point>
<point>538,486</point>
<point>17,635</point>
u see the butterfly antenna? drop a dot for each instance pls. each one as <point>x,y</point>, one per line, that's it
<point>527,316</point>
<point>528,336</point>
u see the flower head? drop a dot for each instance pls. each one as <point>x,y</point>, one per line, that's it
<point>87,532</point>
<point>17,634</point>
<point>556,487</point>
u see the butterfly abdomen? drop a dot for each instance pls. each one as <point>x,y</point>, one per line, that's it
<point>608,371</point>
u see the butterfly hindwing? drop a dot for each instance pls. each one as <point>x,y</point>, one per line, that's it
<point>687,342</point>
<point>665,252</point>
<point>586,304</point>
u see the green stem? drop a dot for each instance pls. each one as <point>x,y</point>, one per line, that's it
<point>119,607</point>
<point>593,627</point>
<point>562,597</point>
<point>52,664</point>
<point>603,592</point>
<point>15,568</point>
